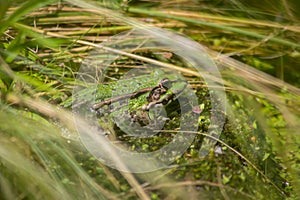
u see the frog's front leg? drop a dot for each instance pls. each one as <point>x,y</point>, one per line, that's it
<point>158,114</point>
<point>152,118</point>
<point>140,117</point>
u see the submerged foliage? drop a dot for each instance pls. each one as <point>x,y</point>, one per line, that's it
<point>257,156</point>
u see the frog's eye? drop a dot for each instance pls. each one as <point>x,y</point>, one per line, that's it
<point>165,83</point>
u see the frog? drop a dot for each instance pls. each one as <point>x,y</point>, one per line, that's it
<point>135,104</point>
<point>146,111</point>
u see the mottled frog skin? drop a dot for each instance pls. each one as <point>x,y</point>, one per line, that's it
<point>145,113</point>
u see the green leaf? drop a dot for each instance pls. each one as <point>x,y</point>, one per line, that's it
<point>14,47</point>
<point>38,38</point>
<point>266,156</point>
<point>26,8</point>
<point>4,7</point>
<point>225,179</point>
<point>254,125</point>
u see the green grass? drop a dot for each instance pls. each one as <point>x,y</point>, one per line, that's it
<point>42,46</point>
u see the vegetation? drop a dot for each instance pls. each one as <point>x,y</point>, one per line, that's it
<point>255,47</point>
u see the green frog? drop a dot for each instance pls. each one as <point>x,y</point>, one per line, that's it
<point>135,103</point>
<point>142,111</point>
